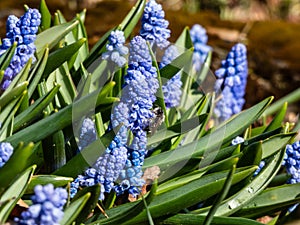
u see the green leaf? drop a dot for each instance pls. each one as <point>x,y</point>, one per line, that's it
<point>59,120</point>
<point>271,200</point>
<point>46,16</point>
<point>247,193</point>
<point>184,40</point>
<point>17,91</point>
<point>35,110</point>
<point>7,116</point>
<point>278,119</point>
<point>37,72</point>
<point>68,90</point>
<point>275,143</point>
<point>90,204</point>
<point>129,22</point>
<point>225,189</point>
<point>7,56</point>
<point>251,155</point>
<point>185,196</point>
<point>53,35</point>
<point>190,219</point>
<point>176,129</point>
<point>14,192</point>
<point>73,210</point>
<point>57,181</point>
<point>58,57</point>
<point>210,144</point>
<point>15,165</point>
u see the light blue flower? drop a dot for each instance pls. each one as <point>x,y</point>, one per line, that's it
<point>154,25</point>
<point>201,49</point>
<point>231,81</point>
<point>115,49</point>
<point>47,206</point>
<point>172,89</point>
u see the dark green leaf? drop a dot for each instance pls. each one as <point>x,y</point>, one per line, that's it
<point>35,110</point>
<point>15,192</point>
<point>37,72</point>
<point>58,57</point>
<point>278,119</point>
<point>73,210</point>
<point>15,165</point>
<point>7,56</point>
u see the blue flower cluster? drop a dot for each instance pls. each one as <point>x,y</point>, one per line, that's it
<point>87,134</point>
<point>141,85</point>
<point>231,80</point>
<point>6,150</point>
<point>133,112</point>
<point>172,89</point>
<point>47,207</point>
<point>292,162</point>
<point>154,26</point>
<point>201,49</point>
<point>23,31</point>
<point>115,49</point>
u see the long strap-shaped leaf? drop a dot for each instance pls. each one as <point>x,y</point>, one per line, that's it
<point>211,142</point>
<point>15,192</point>
<point>60,120</point>
<point>190,219</point>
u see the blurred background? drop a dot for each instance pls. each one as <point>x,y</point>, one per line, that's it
<point>269,28</point>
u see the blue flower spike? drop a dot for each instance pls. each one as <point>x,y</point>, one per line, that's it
<point>201,49</point>
<point>115,49</point>
<point>154,25</point>
<point>292,162</point>
<point>122,162</point>
<point>231,81</point>
<point>23,31</point>
<point>172,89</point>
<point>47,206</point>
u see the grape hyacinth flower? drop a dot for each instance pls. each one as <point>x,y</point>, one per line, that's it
<point>23,31</point>
<point>134,111</point>
<point>154,26</point>
<point>292,162</point>
<point>6,150</point>
<point>141,85</point>
<point>231,80</point>
<point>47,207</point>
<point>201,49</point>
<point>87,134</point>
<point>172,89</point>
<point>115,49</point>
